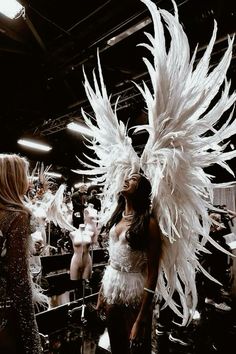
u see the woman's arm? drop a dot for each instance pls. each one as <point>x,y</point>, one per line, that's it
<point>153,256</point>
<point>20,283</point>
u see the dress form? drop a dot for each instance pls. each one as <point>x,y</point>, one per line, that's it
<point>81,262</point>
<point>91,221</point>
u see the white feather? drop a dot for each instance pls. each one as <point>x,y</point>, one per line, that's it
<point>115,155</point>
<point>55,211</point>
<point>183,139</point>
<point>177,149</point>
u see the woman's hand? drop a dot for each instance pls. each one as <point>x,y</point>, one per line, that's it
<point>137,331</point>
<point>101,306</point>
<point>137,336</point>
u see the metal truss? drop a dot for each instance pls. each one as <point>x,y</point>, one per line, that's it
<point>127,97</point>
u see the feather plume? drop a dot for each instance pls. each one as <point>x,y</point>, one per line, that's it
<point>111,144</point>
<point>182,141</point>
<point>55,212</point>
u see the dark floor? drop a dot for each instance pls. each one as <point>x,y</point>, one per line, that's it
<point>214,331</point>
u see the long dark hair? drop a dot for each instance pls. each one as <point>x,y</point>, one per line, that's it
<point>136,235</point>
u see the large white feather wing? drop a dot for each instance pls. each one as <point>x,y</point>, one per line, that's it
<point>115,156</point>
<point>182,141</point>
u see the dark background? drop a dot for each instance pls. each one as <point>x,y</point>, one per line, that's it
<point>41,59</point>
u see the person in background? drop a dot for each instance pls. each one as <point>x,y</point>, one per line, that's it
<point>93,199</point>
<point>217,264</point>
<point>79,199</point>
<point>228,217</point>
<point>18,328</point>
<point>129,281</point>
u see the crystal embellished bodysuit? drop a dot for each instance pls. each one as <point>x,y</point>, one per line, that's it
<point>124,277</point>
<point>16,304</point>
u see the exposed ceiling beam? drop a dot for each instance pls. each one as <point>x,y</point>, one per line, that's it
<point>8,49</point>
<point>9,32</point>
<point>34,31</point>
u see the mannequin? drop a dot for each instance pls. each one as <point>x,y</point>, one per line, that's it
<point>81,262</point>
<point>91,221</point>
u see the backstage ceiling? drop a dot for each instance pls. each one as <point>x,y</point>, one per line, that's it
<point>42,53</point>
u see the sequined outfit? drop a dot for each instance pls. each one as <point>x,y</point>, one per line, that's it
<point>124,277</point>
<point>16,306</point>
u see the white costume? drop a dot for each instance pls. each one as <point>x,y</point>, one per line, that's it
<point>124,277</point>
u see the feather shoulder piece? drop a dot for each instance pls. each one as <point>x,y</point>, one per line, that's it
<point>182,141</point>
<point>115,156</point>
<point>55,210</point>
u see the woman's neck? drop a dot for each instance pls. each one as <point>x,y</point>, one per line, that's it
<point>129,210</point>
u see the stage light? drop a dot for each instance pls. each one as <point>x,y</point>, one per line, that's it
<point>116,39</point>
<point>79,128</point>
<point>53,174</point>
<point>10,8</point>
<point>34,145</point>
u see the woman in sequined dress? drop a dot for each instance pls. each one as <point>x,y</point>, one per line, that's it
<point>18,328</point>
<point>130,279</point>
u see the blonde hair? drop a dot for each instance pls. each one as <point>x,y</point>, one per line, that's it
<point>13,181</point>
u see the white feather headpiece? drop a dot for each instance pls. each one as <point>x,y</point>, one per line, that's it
<point>183,140</point>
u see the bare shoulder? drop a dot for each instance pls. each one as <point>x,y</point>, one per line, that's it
<point>153,225</point>
<point>154,229</point>
<point>154,239</point>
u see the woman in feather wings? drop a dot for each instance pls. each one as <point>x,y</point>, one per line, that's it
<point>183,140</point>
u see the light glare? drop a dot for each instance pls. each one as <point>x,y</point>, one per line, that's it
<point>79,184</point>
<point>10,8</point>
<point>34,145</point>
<point>53,174</point>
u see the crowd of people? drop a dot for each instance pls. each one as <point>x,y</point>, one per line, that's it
<point>129,281</point>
